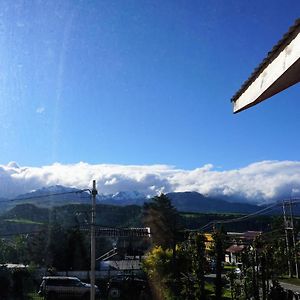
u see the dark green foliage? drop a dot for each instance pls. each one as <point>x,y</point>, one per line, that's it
<point>277,292</point>
<point>66,249</point>
<point>76,251</point>
<point>196,264</point>
<point>36,248</point>
<point>234,284</point>
<point>56,255</point>
<point>28,212</point>
<point>15,283</point>
<point>198,220</point>
<point>159,266</point>
<point>164,221</point>
<point>51,237</point>
<point>219,237</point>
<point>4,282</point>
<point>54,240</point>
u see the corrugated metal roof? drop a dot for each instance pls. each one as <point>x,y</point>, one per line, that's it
<point>125,264</point>
<point>251,235</point>
<point>286,39</point>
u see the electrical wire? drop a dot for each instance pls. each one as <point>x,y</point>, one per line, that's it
<point>44,196</point>
<point>248,216</point>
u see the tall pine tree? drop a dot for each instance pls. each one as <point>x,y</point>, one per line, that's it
<point>163,219</point>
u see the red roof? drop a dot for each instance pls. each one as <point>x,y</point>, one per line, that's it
<point>235,248</point>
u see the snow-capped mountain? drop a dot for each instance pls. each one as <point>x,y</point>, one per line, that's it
<point>184,201</point>
<point>123,198</point>
<point>53,196</point>
<point>61,195</point>
<point>55,189</point>
<point>128,195</point>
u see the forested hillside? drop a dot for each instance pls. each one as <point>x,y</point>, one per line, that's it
<point>27,217</point>
<point>53,236</point>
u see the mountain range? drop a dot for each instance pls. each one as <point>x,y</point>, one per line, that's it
<point>184,201</point>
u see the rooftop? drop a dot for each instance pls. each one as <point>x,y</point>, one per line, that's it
<point>235,248</point>
<point>282,43</point>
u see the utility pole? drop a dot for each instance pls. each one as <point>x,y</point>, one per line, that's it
<point>286,239</point>
<point>294,241</point>
<point>93,244</point>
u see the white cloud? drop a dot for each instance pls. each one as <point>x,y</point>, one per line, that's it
<point>262,181</point>
<point>40,110</point>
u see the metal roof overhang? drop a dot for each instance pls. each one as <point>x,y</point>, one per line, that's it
<point>280,70</point>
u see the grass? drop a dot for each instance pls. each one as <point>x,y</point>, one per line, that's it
<point>23,221</point>
<point>210,288</point>
<point>33,296</point>
<point>229,267</point>
<point>227,294</point>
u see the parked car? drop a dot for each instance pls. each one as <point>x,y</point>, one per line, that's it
<point>60,287</point>
<point>128,287</point>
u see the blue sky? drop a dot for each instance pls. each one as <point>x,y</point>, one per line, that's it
<point>141,82</point>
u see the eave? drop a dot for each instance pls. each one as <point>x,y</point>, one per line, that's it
<point>278,71</point>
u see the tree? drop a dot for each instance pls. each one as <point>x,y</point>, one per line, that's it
<point>7,252</point>
<point>56,248</point>
<point>158,265</point>
<point>76,252</point>
<point>232,276</point>
<point>198,265</point>
<point>219,237</point>
<point>163,219</point>
<point>36,248</point>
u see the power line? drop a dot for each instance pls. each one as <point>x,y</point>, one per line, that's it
<point>248,216</point>
<point>45,196</point>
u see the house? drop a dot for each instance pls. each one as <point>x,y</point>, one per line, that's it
<point>208,241</point>
<point>233,253</point>
<point>240,241</point>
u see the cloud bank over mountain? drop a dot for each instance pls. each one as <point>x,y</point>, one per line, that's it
<point>258,182</point>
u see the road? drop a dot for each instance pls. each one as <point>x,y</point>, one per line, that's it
<point>291,287</point>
